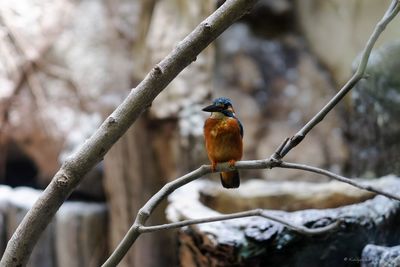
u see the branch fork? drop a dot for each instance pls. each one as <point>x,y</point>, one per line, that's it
<point>275,161</point>
<point>28,232</point>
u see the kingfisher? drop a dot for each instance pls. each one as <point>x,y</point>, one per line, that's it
<point>223,134</point>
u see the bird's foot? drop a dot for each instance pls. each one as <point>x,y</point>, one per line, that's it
<point>232,163</point>
<point>213,166</point>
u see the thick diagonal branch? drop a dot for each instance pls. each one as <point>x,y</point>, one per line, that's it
<point>274,161</point>
<point>93,150</point>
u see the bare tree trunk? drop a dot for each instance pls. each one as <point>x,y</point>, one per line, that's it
<point>151,154</point>
<point>133,175</point>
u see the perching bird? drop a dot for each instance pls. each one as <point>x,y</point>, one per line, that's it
<point>223,135</point>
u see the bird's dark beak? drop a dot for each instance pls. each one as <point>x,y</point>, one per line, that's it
<point>212,108</point>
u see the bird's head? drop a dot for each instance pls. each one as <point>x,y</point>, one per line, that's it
<point>221,108</point>
<point>222,105</point>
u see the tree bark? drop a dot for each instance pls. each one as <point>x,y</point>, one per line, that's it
<point>93,150</point>
<point>150,155</point>
<point>133,174</point>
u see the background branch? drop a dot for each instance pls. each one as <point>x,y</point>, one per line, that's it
<point>274,161</point>
<point>93,150</point>
<point>144,213</point>
<point>337,177</point>
<point>392,11</point>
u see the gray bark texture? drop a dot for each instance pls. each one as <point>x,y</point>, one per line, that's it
<point>150,154</point>
<point>93,150</point>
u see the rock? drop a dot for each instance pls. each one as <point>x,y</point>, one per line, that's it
<point>3,238</point>
<point>271,6</point>
<point>20,201</point>
<point>76,237</point>
<point>171,21</point>
<point>30,136</point>
<point>81,234</point>
<point>283,195</point>
<point>78,58</point>
<point>374,124</point>
<point>376,256</point>
<point>19,169</point>
<point>260,242</point>
<point>337,30</point>
<point>272,17</point>
<point>5,192</point>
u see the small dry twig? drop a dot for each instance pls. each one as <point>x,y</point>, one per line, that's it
<point>72,171</point>
<point>144,213</point>
<point>358,75</point>
<point>274,161</point>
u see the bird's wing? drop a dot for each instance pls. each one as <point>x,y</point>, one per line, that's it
<point>240,126</point>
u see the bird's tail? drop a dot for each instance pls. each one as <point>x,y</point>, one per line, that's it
<point>230,179</point>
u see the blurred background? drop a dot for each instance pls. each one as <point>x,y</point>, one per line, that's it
<point>65,65</point>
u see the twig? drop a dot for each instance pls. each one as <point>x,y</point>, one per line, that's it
<point>144,213</point>
<point>278,152</point>
<point>27,71</point>
<point>93,150</point>
<point>392,11</point>
<point>282,150</point>
<point>167,189</point>
<point>256,212</point>
<point>62,74</point>
<point>72,171</point>
<point>340,178</point>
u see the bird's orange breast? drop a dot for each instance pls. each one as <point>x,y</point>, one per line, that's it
<point>223,139</point>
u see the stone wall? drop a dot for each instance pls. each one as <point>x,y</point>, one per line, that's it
<point>75,237</point>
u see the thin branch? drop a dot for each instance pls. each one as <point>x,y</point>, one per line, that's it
<point>93,150</point>
<point>62,74</point>
<point>27,71</point>
<point>278,152</point>
<point>257,212</point>
<point>337,177</point>
<point>392,11</point>
<point>72,171</point>
<point>144,213</point>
